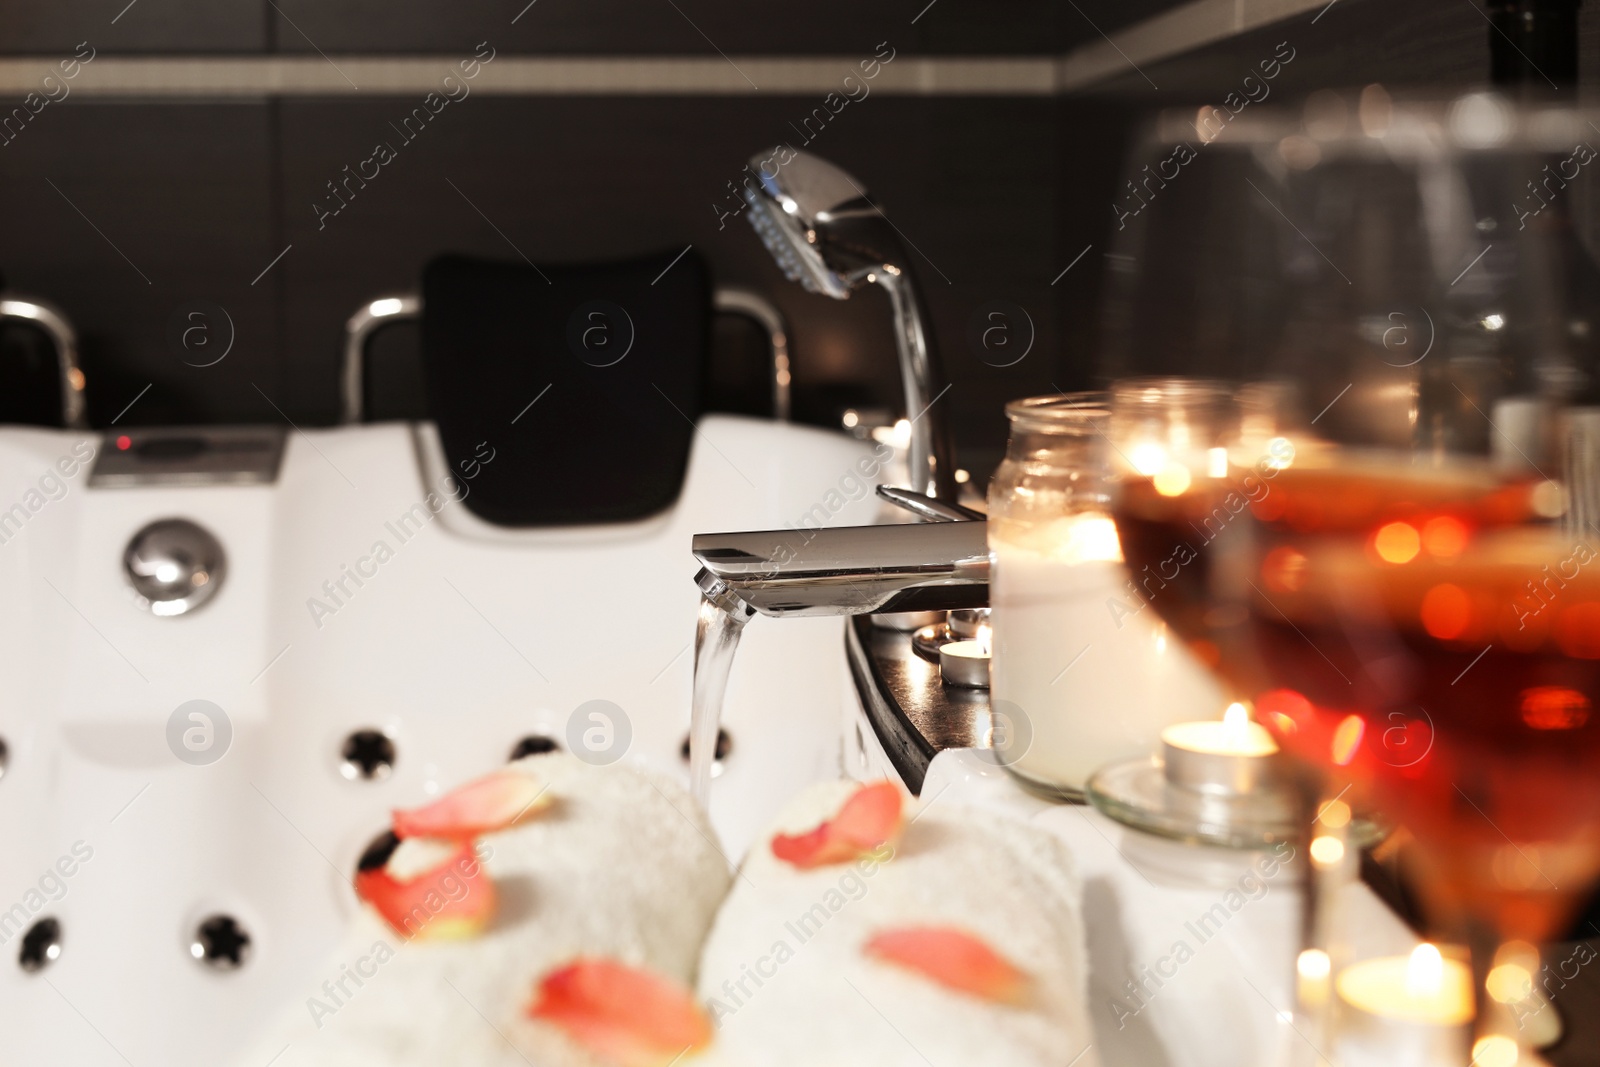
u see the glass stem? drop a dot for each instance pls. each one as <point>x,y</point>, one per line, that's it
<point>1497,1038</point>
<point>1330,864</point>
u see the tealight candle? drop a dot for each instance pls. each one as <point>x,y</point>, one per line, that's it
<point>1407,1009</point>
<point>1232,756</point>
<point>964,623</point>
<point>966,663</point>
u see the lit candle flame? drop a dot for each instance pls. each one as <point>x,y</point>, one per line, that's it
<point>1425,972</point>
<point>983,639</point>
<point>1173,480</point>
<point>1236,721</point>
<point>1148,458</point>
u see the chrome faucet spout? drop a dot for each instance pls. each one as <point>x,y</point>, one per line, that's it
<point>847,570</point>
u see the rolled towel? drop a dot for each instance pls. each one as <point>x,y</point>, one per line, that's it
<point>841,963</point>
<point>620,867</point>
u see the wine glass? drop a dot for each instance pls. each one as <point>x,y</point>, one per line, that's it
<point>1417,623</point>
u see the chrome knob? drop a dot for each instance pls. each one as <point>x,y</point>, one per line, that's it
<point>174,566</point>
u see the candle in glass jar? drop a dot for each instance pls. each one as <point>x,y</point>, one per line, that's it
<point>1078,653</point>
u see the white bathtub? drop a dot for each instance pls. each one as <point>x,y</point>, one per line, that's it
<point>463,640</point>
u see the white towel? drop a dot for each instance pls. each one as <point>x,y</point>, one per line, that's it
<point>620,866</point>
<point>786,981</point>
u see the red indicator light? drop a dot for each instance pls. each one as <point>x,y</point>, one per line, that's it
<point>124,443</point>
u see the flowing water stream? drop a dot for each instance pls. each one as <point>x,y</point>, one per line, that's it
<point>716,639</point>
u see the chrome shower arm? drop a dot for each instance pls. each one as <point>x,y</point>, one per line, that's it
<point>930,458</point>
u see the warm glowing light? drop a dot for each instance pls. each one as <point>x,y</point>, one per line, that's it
<point>983,639</point>
<point>1548,500</point>
<point>1172,480</point>
<point>1235,735</point>
<point>1423,987</point>
<point>1347,739</point>
<point>1313,963</point>
<point>1236,718</point>
<point>1496,1050</point>
<point>1284,569</point>
<point>1085,538</point>
<point>1554,707</point>
<point>1510,980</point>
<point>902,433</point>
<point>1446,611</point>
<point>1335,815</point>
<point>1148,459</point>
<point>1217,463</point>
<point>1397,542</point>
<point>1509,983</point>
<point>963,476</point>
<point>1280,453</point>
<point>1326,851</point>
<point>1444,537</point>
<point>1425,971</point>
<point>851,419</point>
<point>387,306</point>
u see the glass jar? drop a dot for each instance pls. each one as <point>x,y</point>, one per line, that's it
<point>1081,675</point>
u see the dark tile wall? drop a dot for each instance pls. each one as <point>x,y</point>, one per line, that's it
<point>595,27</point>
<point>172,202</point>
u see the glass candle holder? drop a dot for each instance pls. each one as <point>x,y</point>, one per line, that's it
<point>1082,676</point>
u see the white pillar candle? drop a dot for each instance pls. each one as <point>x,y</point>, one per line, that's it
<point>1085,661</point>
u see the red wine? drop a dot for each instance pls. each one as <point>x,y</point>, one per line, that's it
<point>1450,664</point>
<point>1173,544</point>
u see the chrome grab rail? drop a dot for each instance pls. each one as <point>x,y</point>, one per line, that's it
<point>358,329</point>
<point>752,305</point>
<point>404,307</point>
<point>64,339</point>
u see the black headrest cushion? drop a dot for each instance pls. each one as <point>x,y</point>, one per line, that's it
<point>566,394</point>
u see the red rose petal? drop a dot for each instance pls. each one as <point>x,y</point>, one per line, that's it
<point>488,804</point>
<point>868,819</point>
<point>953,958</point>
<point>455,899</point>
<point>626,1014</point>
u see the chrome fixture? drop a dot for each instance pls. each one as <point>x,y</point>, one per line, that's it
<point>174,566</point>
<point>846,570</point>
<point>221,943</point>
<point>927,507</point>
<point>367,755</point>
<point>407,307</point>
<point>358,330</point>
<point>65,341</point>
<point>214,455</point>
<point>825,233</point>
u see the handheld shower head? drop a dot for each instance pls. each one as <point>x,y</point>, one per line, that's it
<point>825,233</point>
